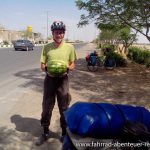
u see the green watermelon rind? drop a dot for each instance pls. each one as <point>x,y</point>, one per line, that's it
<point>57,67</point>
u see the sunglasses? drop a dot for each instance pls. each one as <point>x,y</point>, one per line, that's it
<point>58,32</point>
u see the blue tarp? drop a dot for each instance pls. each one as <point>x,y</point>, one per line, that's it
<point>103,120</point>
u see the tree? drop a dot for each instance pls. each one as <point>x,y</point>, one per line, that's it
<point>132,13</point>
<point>127,37</point>
<point>117,34</point>
<point>107,36</point>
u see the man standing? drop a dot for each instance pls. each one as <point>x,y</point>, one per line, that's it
<point>56,86</point>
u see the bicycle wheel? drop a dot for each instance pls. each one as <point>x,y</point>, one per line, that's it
<point>110,63</point>
<point>92,68</point>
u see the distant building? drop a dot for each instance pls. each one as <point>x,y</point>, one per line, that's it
<point>11,35</point>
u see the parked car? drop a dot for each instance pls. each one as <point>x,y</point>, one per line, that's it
<point>23,45</point>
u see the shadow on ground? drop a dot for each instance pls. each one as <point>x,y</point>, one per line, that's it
<point>129,84</point>
<point>24,124</point>
<point>30,125</point>
<point>25,135</point>
<point>20,139</point>
<point>35,79</point>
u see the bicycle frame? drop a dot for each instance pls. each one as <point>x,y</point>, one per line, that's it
<point>100,63</point>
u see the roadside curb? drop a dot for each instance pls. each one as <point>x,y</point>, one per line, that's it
<point>11,46</point>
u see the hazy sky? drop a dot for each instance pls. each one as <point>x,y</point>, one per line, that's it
<point>18,14</point>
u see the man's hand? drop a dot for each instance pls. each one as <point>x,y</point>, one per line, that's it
<point>71,66</point>
<point>43,66</point>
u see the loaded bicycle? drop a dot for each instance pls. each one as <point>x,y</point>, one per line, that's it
<point>94,62</point>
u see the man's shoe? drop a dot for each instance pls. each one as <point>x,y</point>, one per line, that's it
<point>63,134</point>
<point>62,138</point>
<point>42,139</point>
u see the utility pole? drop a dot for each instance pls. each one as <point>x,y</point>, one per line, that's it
<point>47,25</point>
<point>47,14</point>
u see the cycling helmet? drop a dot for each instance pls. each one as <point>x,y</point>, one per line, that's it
<point>58,25</point>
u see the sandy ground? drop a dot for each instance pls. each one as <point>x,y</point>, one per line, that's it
<point>21,127</point>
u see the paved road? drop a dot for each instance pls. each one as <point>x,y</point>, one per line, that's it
<point>11,63</point>
<point>19,115</point>
<point>14,65</point>
<point>20,101</point>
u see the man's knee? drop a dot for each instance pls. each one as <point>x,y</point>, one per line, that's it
<point>66,101</point>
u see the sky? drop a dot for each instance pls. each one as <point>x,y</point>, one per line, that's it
<point>18,14</point>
